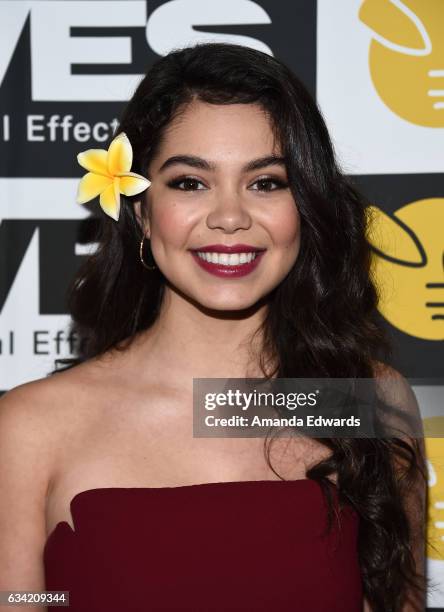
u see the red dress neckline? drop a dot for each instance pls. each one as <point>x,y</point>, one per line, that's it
<point>95,490</point>
<point>255,545</point>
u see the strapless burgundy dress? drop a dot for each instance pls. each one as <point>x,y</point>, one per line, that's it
<point>252,545</point>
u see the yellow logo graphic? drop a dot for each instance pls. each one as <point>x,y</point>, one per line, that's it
<point>434,448</point>
<point>408,266</point>
<point>406,57</point>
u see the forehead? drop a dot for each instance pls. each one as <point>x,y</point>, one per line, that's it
<point>213,131</point>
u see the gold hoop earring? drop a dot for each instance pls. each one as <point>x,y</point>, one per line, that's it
<point>145,265</point>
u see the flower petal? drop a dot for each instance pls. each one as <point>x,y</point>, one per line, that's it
<point>110,200</point>
<point>94,160</point>
<point>120,155</point>
<point>132,183</point>
<point>91,185</point>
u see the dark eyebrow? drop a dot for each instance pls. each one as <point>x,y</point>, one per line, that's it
<point>263,162</point>
<point>203,164</point>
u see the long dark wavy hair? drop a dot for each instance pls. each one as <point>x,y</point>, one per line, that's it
<point>321,320</point>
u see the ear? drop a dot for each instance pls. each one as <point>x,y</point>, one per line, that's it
<point>142,221</point>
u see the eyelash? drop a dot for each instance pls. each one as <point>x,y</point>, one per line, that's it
<point>174,184</point>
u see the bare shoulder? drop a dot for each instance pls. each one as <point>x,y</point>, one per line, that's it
<point>27,430</point>
<point>404,414</point>
<point>27,437</point>
<point>35,417</point>
<point>404,420</point>
<point>395,389</point>
<point>382,371</point>
<point>28,410</point>
<point>54,396</point>
<point>42,414</point>
<point>38,405</point>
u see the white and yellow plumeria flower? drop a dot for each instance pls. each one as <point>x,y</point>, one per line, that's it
<point>109,175</point>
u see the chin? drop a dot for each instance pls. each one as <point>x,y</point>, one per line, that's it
<point>227,304</point>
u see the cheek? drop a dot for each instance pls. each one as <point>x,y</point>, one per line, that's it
<point>171,222</point>
<point>284,227</point>
<point>290,234</point>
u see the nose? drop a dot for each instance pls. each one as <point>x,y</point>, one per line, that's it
<point>229,213</point>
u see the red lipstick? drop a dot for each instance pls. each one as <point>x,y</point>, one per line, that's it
<point>225,269</point>
<point>225,248</point>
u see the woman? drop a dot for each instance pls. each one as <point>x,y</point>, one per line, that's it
<point>121,495</point>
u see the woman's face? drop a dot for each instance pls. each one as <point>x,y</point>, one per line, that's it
<point>213,187</point>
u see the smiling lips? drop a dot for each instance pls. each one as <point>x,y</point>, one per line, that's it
<point>228,261</point>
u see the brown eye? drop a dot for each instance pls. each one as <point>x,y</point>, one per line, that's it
<point>269,184</point>
<point>186,184</point>
<point>265,185</point>
<point>190,184</point>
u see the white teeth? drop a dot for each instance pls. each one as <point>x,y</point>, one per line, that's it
<point>227,259</point>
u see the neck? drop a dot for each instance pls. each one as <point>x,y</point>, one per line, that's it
<point>189,341</point>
